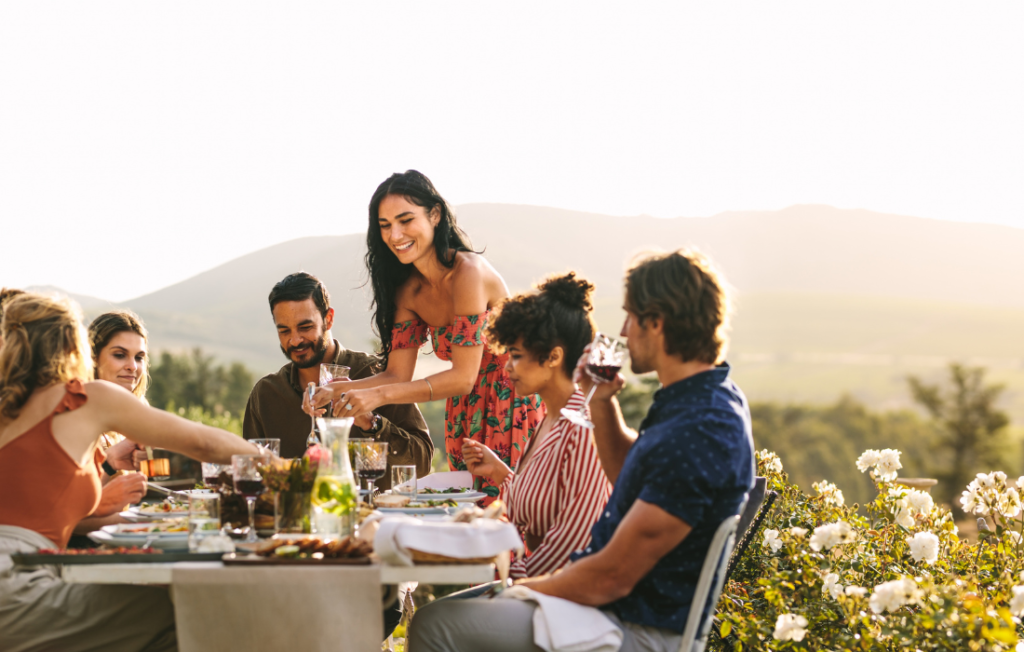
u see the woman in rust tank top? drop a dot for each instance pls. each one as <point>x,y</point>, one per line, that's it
<point>51,419</point>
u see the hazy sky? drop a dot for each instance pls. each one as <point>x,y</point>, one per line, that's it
<point>141,143</point>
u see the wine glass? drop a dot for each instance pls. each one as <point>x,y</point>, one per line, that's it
<point>328,374</point>
<point>604,360</point>
<point>268,446</point>
<point>211,474</point>
<point>249,483</point>
<point>371,462</point>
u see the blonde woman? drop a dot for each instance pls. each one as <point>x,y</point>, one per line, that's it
<point>51,417</point>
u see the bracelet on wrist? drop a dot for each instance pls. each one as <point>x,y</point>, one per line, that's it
<point>108,469</point>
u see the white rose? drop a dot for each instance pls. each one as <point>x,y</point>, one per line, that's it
<point>790,627</point>
<point>920,501</point>
<point>832,586</point>
<point>924,546</point>
<point>771,540</point>
<point>831,534</point>
<point>1009,503</point>
<point>856,591</point>
<point>1017,601</point>
<point>797,531</point>
<point>905,519</point>
<point>868,459</point>
<point>888,464</point>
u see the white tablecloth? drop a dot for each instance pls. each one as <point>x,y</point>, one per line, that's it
<point>277,608</point>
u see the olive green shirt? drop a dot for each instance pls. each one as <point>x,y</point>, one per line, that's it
<point>274,411</point>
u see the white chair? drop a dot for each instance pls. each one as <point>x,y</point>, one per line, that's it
<point>445,479</point>
<point>709,586</point>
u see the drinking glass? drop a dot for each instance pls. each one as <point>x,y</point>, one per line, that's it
<point>371,462</point>
<point>604,360</point>
<point>203,518</point>
<point>211,474</point>
<point>403,480</point>
<point>328,374</point>
<point>269,445</point>
<point>249,483</point>
<point>352,442</point>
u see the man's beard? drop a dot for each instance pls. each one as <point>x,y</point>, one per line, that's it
<point>319,351</point>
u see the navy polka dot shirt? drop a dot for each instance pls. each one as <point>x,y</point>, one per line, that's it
<point>694,459</point>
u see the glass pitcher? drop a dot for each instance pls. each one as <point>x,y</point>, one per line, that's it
<point>335,493</point>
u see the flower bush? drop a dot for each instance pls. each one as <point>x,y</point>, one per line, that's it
<point>825,576</point>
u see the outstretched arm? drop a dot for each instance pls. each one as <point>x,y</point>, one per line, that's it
<point>113,408</point>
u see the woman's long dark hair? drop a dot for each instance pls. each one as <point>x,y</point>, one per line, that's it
<point>386,273</point>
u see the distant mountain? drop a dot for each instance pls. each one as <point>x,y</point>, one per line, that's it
<point>811,280</point>
<point>87,303</point>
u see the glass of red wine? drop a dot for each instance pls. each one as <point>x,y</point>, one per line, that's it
<point>371,462</point>
<point>604,360</point>
<point>249,483</point>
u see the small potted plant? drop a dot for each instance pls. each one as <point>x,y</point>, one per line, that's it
<point>291,482</point>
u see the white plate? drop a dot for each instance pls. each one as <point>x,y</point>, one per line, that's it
<point>467,496</point>
<point>156,516</point>
<point>163,543</point>
<point>123,530</point>
<point>135,517</point>
<point>416,511</point>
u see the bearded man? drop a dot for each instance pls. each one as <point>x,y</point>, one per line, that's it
<point>302,313</point>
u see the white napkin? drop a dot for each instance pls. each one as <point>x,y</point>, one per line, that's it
<point>561,625</point>
<point>481,538</point>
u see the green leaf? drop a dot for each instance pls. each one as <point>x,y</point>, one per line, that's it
<point>726,628</point>
<point>504,394</point>
<point>493,422</point>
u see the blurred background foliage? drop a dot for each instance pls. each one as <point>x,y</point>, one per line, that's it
<point>194,379</point>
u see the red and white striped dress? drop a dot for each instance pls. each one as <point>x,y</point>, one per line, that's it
<point>558,496</point>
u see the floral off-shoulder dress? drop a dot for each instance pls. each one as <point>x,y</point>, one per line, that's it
<point>491,414</point>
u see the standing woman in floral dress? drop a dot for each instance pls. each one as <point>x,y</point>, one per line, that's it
<point>427,280</point>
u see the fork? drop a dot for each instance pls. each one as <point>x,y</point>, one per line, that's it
<point>312,439</point>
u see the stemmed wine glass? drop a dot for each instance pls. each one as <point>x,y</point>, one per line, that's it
<point>604,360</point>
<point>371,462</point>
<point>249,483</point>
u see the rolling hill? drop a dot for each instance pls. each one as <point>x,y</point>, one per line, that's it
<point>829,300</point>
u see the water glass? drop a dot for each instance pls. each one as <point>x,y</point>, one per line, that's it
<point>268,445</point>
<point>203,518</point>
<point>403,481</point>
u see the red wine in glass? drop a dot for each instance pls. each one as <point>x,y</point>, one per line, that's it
<point>249,488</point>
<point>605,357</point>
<point>605,373</point>
<point>371,474</point>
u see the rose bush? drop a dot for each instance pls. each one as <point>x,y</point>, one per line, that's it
<point>822,576</point>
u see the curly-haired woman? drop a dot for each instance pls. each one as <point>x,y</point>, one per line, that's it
<point>426,279</point>
<point>558,488</point>
<point>52,414</point>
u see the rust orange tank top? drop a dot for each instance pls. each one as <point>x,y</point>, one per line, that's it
<point>43,489</point>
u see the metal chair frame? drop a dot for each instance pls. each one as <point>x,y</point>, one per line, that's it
<point>709,586</point>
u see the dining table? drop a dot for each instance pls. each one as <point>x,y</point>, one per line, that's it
<point>309,607</point>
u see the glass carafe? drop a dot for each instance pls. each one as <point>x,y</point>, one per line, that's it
<point>335,493</point>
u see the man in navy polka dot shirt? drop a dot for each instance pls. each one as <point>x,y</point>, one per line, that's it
<point>688,469</point>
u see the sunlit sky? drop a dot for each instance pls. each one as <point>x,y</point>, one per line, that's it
<point>142,143</point>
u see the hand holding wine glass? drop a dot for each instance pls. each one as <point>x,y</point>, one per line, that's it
<point>600,364</point>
